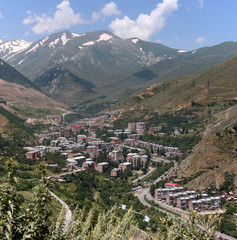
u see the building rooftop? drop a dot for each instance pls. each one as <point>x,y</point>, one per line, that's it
<point>103,163</point>
<point>125,163</point>
<point>172,185</point>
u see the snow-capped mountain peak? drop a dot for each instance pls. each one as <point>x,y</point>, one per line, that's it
<point>9,48</point>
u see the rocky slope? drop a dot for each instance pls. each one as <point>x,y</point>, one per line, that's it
<point>214,155</point>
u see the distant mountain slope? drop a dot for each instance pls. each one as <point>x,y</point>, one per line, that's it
<point>189,62</point>
<point>9,74</point>
<point>20,92</point>
<point>63,85</point>
<point>215,84</point>
<point>214,155</point>
<point>97,54</point>
<point>116,67</point>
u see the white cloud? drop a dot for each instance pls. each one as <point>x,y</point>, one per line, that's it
<point>96,16</point>
<point>145,25</point>
<point>1,15</point>
<point>64,17</point>
<point>110,9</point>
<point>201,39</point>
<point>201,2</point>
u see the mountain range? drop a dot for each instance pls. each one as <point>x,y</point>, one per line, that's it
<point>99,67</point>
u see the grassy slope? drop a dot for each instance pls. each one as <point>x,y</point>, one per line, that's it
<point>187,63</point>
<point>11,75</point>
<point>13,126</point>
<point>179,93</point>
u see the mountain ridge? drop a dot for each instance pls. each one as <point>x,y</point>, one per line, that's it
<point>19,92</point>
<point>116,67</point>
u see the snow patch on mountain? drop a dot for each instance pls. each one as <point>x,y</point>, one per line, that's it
<point>77,35</point>
<point>135,40</point>
<point>33,49</point>
<point>104,37</point>
<point>21,61</point>
<point>40,43</point>
<point>194,51</point>
<point>182,51</point>
<point>43,41</point>
<point>89,43</point>
<point>65,39</point>
<point>52,44</point>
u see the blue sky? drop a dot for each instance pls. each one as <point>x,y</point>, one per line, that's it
<point>182,24</point>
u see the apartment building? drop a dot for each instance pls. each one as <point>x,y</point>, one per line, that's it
<point>101,167</point>
<point>115,172</point>
<point>125,165</point>
<point>116,155</point>
<point>93,151</point>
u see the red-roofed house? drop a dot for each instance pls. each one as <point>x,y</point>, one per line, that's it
<point>171,185</point>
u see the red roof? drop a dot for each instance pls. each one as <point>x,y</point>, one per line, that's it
<point>173,184</point>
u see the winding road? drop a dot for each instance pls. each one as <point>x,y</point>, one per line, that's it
<point>68,214</point>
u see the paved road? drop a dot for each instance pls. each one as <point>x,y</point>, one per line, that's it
<point>151,169</point>
<point>68,214</point>
<point>159,159</point>
<point>64,173</point>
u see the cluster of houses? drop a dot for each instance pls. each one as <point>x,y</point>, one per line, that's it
<point>174,194</point>
<point>34,153</point>
<point>134,161</point>
<point>98,121</point>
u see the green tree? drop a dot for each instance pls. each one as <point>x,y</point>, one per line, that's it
<point>11,213</point>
